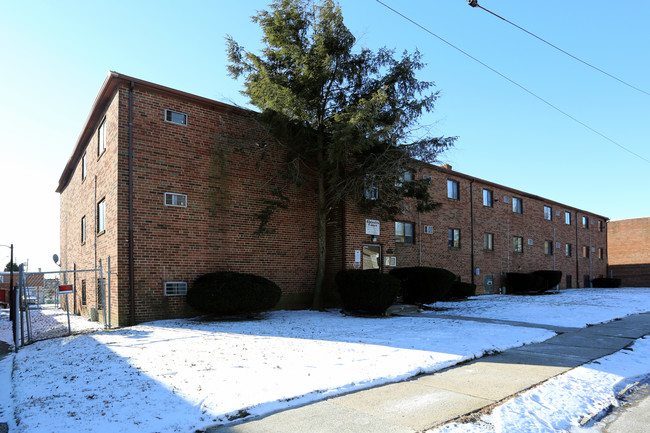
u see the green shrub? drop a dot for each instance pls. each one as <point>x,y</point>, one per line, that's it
<point>550,279</point>
<point>461,290</point>
<point>233,293</point>
<point>610,283</point>
<point>424,285</point>
<point>524,283</point>
<point>368,291</point>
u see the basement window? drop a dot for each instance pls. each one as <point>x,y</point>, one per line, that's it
<point>177,200</point>
<point>176,117</point>
<point>175,288</point>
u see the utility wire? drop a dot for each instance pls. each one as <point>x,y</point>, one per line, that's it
<point>512,81</point>
<point>474,3</point>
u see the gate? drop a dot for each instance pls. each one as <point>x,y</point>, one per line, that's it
<point>44,305</point>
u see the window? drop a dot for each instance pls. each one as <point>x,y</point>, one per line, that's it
<point>585,251</point>
<point>600,226</point>
<point>567,218</point>
<point>403,232</point>
<point>175,288</point>
<point>428,230</point>
<point>83,292</point>
<point>405,177</point>
<point>83,230</point>
<point>548,213</point>
<point>101,216</point>
<point>487,198</point>
<point>518,244</point>
<point>585,222</point>
<point>83,167</point>
<point>601,253</point>
<point>371,193</point>
<point>516,205</point>
<point>176,117</point>
<point>454,238</point>
<point>452,189</point>
<point>173,199</point>
<point>567,250</point>
<point>548,248</point>
<point>488,241</point>
<point>101,287</point>
<point>101,138</point>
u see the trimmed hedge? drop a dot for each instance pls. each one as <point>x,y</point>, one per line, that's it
<point>368,291</point>
<point>606,283</point>
<point>461,290</point>
<point>233,293</point>
<point>523,283</point>
<point>424,285</point>
<point>550,279</point>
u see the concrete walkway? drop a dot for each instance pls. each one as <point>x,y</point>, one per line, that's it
<point>431,400</point>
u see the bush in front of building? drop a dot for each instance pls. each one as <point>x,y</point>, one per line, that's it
<point>368,291</point>
<point>550,279</point>
<point>460,290</point>
<point>233,293</point>
<point>424,285</point>
<point>519,283</point>
<point>606,283</point>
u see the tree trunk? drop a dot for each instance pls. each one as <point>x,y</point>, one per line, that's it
<point>317,302</point>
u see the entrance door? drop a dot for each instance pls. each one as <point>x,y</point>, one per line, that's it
<point>371,257</point>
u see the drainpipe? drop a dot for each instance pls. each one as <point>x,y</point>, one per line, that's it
<point>577,252</point>
<point>419,239</point>
<point>471,235</point>
<point>131,258</point>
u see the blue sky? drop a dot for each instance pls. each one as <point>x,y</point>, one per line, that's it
<point>55,56</point>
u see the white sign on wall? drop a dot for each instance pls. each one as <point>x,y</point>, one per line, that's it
<point>357,256</point>
<point>372,227</point>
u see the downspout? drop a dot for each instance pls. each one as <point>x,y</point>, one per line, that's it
<point>577,252</point>
<point>471,235</point>
<point>419,239</point>
<point>131,258</point>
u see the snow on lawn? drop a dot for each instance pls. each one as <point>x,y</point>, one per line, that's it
<point>573,308</point>
<point>180,375</point>
<point>563,401</point>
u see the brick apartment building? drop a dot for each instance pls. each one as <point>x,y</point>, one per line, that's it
<point>171,185</point>
<point>628,243</point>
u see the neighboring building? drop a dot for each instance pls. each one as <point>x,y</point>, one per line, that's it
<point>172,185</point>
<point>628,243</point>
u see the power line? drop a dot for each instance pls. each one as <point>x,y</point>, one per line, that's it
<point>474,3</point>
<point>512,81</point>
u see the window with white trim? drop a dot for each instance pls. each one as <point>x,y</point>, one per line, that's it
<point>453,238</point>
<point>487,198</point>
<point>488,241</point>
<point>548,213</point>
<point>101,216</point>
<point>517,244</point>
<point>428,230</point>
<point>517,206</point>
<point>83,167</point>
<point>176,117</point>
<point>175,288</point>
<point>567,218</point>
<point>403,232</point>
<point>101,138</point>
<point>83,229</point>
<point>174,199</point>
<point>452,189</point>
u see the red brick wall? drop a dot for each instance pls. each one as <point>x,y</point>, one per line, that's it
<point>628,242</point>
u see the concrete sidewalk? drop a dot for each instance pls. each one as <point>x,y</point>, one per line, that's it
<point>431,400</point>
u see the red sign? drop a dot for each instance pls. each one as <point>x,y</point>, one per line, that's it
<point>64,289</point>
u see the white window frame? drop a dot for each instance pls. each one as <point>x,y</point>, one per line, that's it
<point>174,199</point>
<point>402,235</point>
<point>83,229</point>
<point>101,138</point>
<point>428,230</point>
<point>517,244</point>
<point>548,213</point>
<point>453,238</point>
<point>488,198</point>
<point>453,189</point>
<point>175,288</point>
<point>517,205</point>
<point>567,218</point>
<point>488,241</point>
<point>169,117</point>
<point>101,216</point>
<point>84,167</point>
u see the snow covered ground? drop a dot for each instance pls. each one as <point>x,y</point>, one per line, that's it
<point>182,375</point>
<point>572,308</point>
<point>561,403</point>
